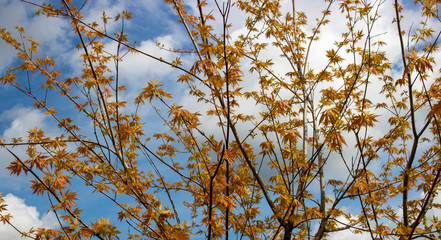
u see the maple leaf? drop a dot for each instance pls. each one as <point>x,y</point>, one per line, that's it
<point>229,155</point>
<point>37,187</point>
<point>16,167</point>
<point>291,136</point>
<point>435,110</point>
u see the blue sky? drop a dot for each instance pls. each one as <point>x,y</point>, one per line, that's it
<point>57,40</point>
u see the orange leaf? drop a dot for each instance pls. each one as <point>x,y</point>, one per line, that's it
<point>229,156</point>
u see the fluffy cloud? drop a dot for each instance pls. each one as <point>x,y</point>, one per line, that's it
<point>434,212</point>
<point>16,13</point>
<point>348,234</point>
<point>24,218</point>
<point>21,120</point>
<point>10,14</point>
<point>18,120</point>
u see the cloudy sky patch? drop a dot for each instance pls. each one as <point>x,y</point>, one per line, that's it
<point>24,217</point>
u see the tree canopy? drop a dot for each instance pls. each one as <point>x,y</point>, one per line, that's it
<point>261,120</point>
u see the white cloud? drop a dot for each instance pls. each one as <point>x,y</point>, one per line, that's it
<point>138,68</point>
<point>434,212</point>
<point>11,13</point>
<point>24,218</point>
<point>52,39</point>
<point>348,234</point>
<point>19,120</point>
<point>22,119</point>
<point>94,12</point>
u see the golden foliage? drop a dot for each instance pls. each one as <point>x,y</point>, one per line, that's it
<point>271,141</point>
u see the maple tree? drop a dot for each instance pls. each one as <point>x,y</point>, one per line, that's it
<point>259,175</point>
